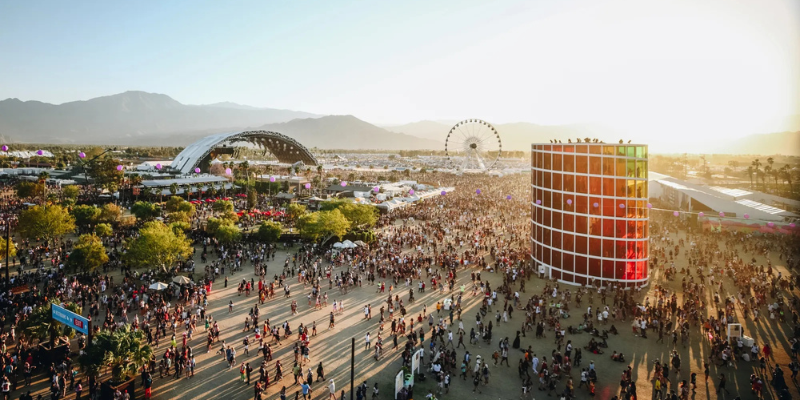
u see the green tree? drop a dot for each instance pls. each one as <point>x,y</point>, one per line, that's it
<point>26,189</point>
<point>105,174</point>
<point>323,225</point>
<point>186,207</point>
<point>157,245</point>
<point>173,188</point>
<point>786,174</point>
<point>173,203</point>
<point>70,192</point>
<point>125,351</point>
<point>213,224</point>
<point>45,223</point>
<point>269,231</point>
<point>222,206</point>
<point>230,216</point>
<point>110,213</point>
<point>228,233</point>
<point>12,250</point>
<point>103,230</point>
<point>145,210</point>
<point>41,325</point>
<point>179,227</point>
<point>180,216</point>
<point>85,215</point>
<point>89,254</point>
<point>359,215</point>
<point>294,211</point>
<point>252,199</point>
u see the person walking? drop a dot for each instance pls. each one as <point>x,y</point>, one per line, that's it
<point>332,389</point>
<point>721,386</point>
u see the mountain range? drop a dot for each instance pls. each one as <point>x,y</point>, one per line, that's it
<point>136,118</point>
<point>125,117</point>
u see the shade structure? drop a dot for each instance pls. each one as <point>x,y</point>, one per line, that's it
<point>284,148</point>
<point>181,280</point>
<point>338,245</point>
<point>158,286</point>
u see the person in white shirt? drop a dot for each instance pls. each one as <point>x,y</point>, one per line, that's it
<point>332,389</point>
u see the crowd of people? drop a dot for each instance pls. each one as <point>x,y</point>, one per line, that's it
<point>441,278</point>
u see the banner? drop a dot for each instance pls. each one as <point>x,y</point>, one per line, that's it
<point>415,362</point>
<point>398,383</point>
<point>70,319</point>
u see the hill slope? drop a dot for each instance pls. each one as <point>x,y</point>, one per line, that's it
<point>786,143</point>
<point>111,119</point>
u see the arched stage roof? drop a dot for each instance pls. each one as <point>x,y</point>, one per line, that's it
<point>284,148</point>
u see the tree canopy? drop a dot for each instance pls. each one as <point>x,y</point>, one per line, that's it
<point>269,231</point>
<point>41,325</point>
<point>173,203</point>
<point>294,211</point>
<point>12,250</point>
<point>110,213</point>
<point>124,350</point>
<point>70,192</point>
<point>46,223</point>
<point>323,225</point>
<point>105,174</point>
<point>85,215</point>
<point>29,189</point>
<point>228,233</point>
<point>157,245</point>
<point>213,224</point>
<point>180,216</point>
<point>89,254</point>
<point>359,215</point>
<point>222,206</point>
<point>103,230</point>
<point>145,210</point>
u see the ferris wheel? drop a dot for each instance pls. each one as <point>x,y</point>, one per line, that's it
<point>473,145</point>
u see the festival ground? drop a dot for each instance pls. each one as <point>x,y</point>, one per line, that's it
<point>214,380</point>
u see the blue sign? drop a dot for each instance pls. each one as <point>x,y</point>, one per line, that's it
<point>70,319</point>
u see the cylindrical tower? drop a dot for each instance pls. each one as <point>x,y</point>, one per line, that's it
<point>589,213</point>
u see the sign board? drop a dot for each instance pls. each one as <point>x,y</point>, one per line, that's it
<point>416,363</point>
<point>398,383</point>
<point>734,331</point>
<point>70,319</point>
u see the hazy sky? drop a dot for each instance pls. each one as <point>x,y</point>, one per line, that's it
<point>674,68</point>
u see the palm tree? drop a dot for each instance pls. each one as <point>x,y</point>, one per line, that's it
<point>125,351</point>
<point>756,169</point>
<point>173,188</point>
<point>786,174</point>
<point>775,174</point>
<point>767,172</point>
<point>750,172</point>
